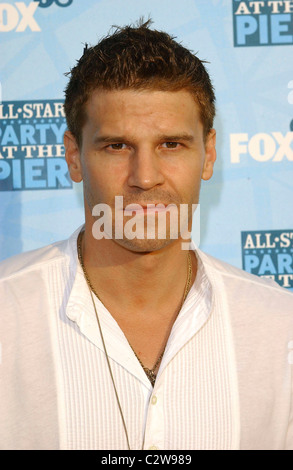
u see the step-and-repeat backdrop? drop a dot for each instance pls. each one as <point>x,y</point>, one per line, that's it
<point>246,209</point>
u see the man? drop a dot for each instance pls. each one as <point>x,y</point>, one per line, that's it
<point>119,338</point>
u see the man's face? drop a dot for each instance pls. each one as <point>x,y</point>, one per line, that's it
<point>147,146</point>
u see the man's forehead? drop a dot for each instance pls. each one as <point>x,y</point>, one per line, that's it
<point>99,94</point>
<point>143,102</point>
<point>130,114</point>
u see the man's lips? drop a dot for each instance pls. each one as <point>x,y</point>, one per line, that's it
<point>147,208</point>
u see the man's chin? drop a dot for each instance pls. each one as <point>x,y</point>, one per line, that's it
<point>143,245</point>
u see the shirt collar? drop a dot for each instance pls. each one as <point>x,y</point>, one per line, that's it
<point>193,314</point>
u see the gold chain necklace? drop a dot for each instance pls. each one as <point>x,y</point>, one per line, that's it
<point>150,373</point>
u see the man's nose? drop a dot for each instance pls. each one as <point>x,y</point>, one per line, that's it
<point>145,170</point>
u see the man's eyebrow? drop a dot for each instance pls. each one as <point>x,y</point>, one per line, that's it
<point>171,138</point>
<point>109,139</point>
<point>163,138</point>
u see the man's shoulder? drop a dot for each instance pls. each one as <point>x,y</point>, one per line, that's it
<point>234,276</point>
<point>36,259</point>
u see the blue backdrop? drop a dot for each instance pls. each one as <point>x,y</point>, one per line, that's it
<point>246,209</point>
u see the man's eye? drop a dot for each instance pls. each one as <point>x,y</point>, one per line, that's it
<point>118,146</point>
<point>171,145</point>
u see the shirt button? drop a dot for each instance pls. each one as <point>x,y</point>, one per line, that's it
<point>154,400</point>
<point>153,448</point>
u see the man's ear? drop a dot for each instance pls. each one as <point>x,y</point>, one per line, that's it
<point>210,155</point>
<point>72,157</point>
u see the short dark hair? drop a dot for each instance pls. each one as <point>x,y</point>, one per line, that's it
<point>137,58</point>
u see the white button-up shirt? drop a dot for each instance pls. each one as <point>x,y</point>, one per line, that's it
<point>89,393</point>
<point>225,380</point>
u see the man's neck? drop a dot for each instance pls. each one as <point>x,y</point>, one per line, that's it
<point>139,280</point>
<point>142,291</point>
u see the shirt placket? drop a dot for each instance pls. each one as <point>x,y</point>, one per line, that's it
<point>154,430</point>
